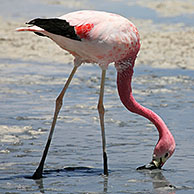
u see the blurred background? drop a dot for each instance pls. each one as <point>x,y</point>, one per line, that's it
<point>156,10</point>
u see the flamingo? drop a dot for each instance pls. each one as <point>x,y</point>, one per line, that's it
<point>102,38</point>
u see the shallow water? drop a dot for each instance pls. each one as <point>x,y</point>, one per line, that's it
<point>28,91</point>
<point>27,95</point>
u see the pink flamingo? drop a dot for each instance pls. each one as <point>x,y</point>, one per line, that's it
<point>103,38</point>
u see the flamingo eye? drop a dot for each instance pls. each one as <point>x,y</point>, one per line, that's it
<point>166,155</point>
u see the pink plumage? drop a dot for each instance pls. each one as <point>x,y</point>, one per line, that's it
<point>103,38</point>
<point>109,37</point>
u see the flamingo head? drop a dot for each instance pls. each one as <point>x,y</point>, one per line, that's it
<point>164,149</point>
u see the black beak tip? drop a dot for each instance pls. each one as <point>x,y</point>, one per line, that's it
<point>150,166</point>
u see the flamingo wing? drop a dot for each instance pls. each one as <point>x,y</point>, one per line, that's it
<point>93,36</point>
<point>56,26</point>
<point>75,25</point>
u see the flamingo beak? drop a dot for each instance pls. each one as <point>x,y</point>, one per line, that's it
<point>154,164</point>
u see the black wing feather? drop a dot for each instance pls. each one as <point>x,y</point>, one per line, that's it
<point>56,26</point>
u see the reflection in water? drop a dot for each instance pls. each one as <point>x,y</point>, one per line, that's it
<point>105,184</point>
<point>40,185</point>
<point>160,183</point>
<point>78,171</point>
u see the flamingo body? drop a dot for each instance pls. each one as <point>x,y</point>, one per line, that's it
<point>103,38</point>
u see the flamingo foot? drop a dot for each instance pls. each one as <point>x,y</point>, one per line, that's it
<point>150,166</point>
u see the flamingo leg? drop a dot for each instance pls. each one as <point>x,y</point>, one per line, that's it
<point>101,115</point>
<point>59,101</point>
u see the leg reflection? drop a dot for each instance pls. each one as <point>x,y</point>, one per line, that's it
<point>105,184</point>
<point>40,185</point>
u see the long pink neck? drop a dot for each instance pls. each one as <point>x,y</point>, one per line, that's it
<point>124,78</point>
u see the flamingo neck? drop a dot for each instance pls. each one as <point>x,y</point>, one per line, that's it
<point>124,78</point>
